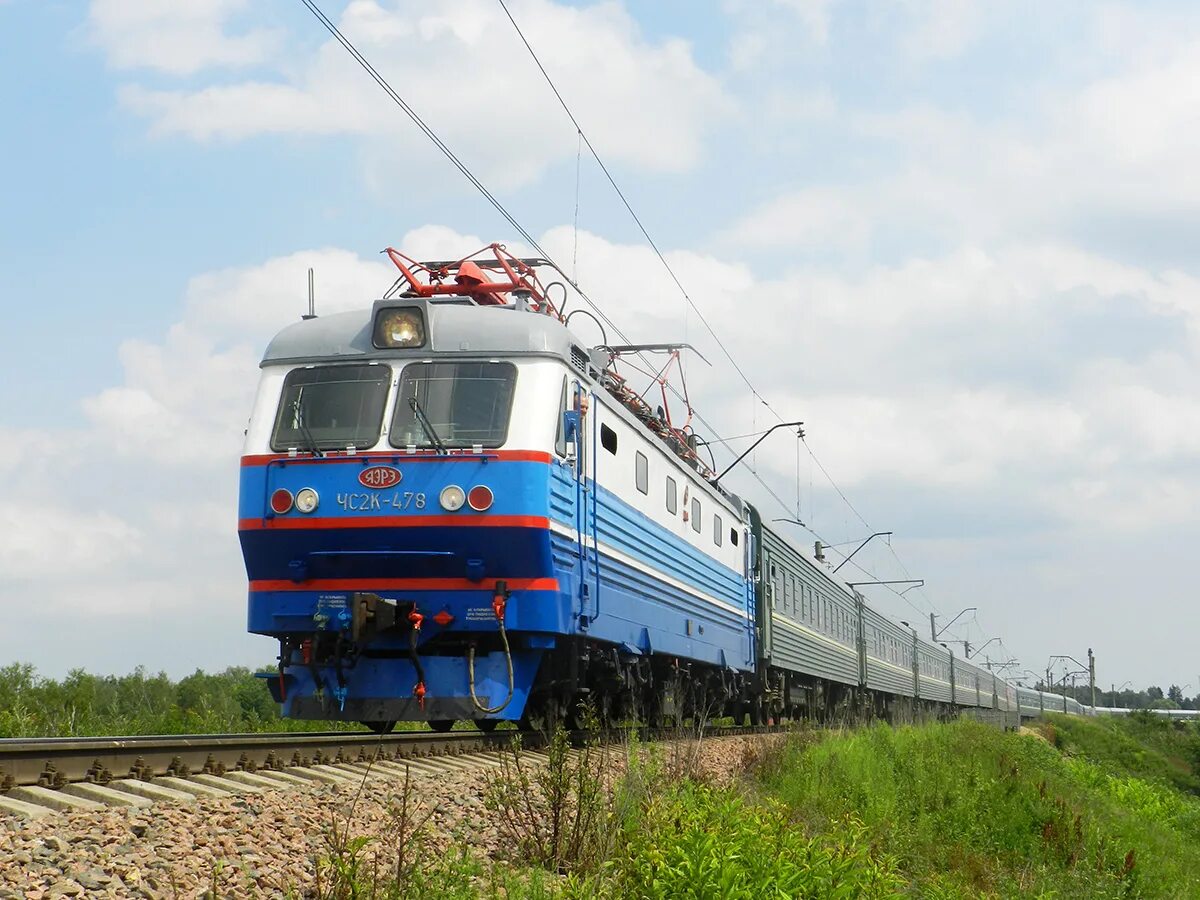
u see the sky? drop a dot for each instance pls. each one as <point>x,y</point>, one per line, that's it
<point>956,238</point>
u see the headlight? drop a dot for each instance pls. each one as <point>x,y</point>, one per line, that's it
<point>452,497</point>
<point>306,500</point>
<point>403,327</point>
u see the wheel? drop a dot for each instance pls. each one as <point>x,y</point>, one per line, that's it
<point>487,726</point>
<point>441,726</point>
<point>380,727</point>
<point>756,712</point>
<point>542,717</point>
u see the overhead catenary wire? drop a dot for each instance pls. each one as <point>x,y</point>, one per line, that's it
<point>661,256</point>
<point>629,208</point>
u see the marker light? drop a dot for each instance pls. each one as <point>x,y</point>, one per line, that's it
<point>452,497</point>
<point>480,498</point>
<point>399,328</point>
<point>281,501</point>
<point>306,500</point>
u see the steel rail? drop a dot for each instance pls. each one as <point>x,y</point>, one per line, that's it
<point>55,762</point>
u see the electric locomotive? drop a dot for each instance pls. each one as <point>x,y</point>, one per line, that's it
<point>452,509</point>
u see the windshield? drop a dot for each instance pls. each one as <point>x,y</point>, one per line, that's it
<point>331,407</point>
<point>464,403</point>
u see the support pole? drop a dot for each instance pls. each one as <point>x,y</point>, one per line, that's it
<point>1092,674</point>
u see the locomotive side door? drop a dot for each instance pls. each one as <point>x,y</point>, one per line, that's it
<point>586,512</point>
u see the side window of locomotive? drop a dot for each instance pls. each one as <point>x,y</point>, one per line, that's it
<point>560,436</point>
<point>331,407</point>
<point>455,404</point>
<point>696,515</point>
<point>672,496</point>
<point>718,528</point>
<point>641,472</point>
<point>733,536</point>
<point>608,439</point>
<point>774,592</point>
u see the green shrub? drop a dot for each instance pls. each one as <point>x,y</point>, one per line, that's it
<point>700,842</point>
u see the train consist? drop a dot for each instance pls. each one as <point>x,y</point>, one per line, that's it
<point>451,508</point>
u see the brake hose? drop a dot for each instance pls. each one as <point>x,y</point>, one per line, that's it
<point>498,605</point>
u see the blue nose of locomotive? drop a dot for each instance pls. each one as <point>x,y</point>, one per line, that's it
<point>359,522</point>
<point>385,568</point>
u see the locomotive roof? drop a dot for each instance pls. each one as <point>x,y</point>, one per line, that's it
<point>453,327</point>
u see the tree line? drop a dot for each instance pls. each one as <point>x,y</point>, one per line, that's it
<point>1151,697</point>
<point>81,704</point>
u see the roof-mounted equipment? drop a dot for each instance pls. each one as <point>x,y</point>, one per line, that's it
<point>467,277</point>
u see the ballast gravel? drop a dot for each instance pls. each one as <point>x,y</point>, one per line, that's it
<point>264,844</point>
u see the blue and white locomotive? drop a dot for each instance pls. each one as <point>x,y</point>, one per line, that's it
<point>447,512</point>
<point>452,508</point>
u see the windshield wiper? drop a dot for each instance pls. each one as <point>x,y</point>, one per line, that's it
<point>304,432</point>
<point>426,425</point>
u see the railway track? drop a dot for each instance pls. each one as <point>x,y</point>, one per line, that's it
<point>44,775</point>
<point>41,776</point>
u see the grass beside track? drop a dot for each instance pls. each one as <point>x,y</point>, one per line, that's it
<point>1093,808</point>
<point>1090,809</point>
<point>967,811</point>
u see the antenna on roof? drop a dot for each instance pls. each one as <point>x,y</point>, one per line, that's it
<point>312,300</point>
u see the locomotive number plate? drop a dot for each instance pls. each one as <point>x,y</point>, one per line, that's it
<point>381,502</point>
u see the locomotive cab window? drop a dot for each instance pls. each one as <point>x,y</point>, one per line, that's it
<point>455,404</point>
<point>641,473</point>
<point>331,407</point>
<point>608,439</point>
<point>560,435</point>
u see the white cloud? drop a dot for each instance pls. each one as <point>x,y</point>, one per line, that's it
<point>816,218</point>
<point>641,102</point>
<point>179,37</point>
<point>44,543</point>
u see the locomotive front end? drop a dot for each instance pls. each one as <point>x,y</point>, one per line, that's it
<point>394,513</point>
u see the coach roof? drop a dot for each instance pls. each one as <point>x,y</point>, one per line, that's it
<point>452,327</point>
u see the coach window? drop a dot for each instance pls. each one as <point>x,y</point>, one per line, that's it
<point>718,527</point>
<point>641,472</point>
<point>696,514</point>
<point>608,439</point>
<point>672,497</point>
<point>774,591</point>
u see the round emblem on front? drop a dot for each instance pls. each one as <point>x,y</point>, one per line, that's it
<point>379,477</point>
